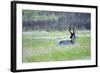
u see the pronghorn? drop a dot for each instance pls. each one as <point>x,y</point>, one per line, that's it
<point>72,32</point>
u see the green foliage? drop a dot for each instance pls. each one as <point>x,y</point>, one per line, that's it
<point>38,16</point>
<point>42,46</point>
<point>53,20</point>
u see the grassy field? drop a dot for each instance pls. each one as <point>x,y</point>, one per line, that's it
<point>41,46</point>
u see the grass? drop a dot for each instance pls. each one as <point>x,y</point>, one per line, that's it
<point>42,46</point>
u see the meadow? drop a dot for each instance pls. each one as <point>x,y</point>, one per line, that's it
<point>41,46</point>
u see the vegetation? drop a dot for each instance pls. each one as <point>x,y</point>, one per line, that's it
<point>50,20</point>
<point>42,46</point>
<point>42,31</point>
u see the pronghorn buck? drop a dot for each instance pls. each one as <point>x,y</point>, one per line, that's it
<point>72,32</point>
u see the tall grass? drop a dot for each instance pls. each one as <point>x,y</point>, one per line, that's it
<point>43,46</point>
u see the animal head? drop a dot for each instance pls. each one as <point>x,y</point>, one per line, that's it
<point>72,34</point>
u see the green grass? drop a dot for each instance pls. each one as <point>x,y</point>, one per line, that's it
<point>42,46</point>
